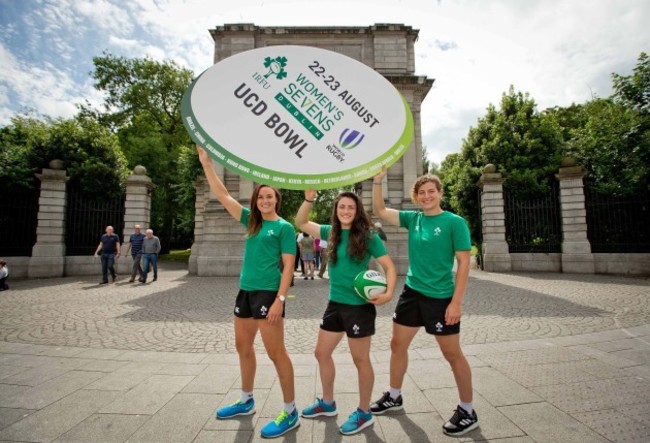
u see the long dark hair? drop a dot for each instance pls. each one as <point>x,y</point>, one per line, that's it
<point>360,231</point>
<point>255,218</point>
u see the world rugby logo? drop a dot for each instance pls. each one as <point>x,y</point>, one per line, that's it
<point>350,139</point>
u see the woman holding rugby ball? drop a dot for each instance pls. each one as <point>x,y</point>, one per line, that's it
<point>270,240</point>
<point>351,242</point>
<point>432,297</point>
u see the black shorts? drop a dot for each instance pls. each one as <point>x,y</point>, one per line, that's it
<point>255,304</point>
<point>355,320</point>
<point>415,309</point>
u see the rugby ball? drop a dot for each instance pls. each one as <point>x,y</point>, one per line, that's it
<point>368,284</point>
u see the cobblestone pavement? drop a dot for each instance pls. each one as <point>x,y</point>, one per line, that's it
<point>554,358</point>
<point>182,313</point>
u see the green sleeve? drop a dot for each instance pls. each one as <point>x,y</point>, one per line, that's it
<point>325,232</point>
<point>245,212</point>
<point>288,239</point>
<point>460,236</point>
<point>406,217</point>
<point>376,247</point>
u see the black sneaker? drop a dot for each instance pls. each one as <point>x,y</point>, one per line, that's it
<point>461,422</point>
<point>386,403</point>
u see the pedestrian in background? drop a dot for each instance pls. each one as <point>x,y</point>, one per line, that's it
<point>109,246</point>
<point>150,251</point>
<point>4,275</point>
<point>135,246</point>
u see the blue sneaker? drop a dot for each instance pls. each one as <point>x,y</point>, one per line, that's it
<point>320,408</point>
<point>237,408</point>
<point>281,425</point>
<point>357,422</point>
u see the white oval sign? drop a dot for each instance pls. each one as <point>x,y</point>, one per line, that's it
<point>298,117</point>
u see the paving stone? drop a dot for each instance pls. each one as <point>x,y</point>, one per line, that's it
<point>546,424</point>
<point>418,427</point>
<point>605,357</point>
<point>615,426</point>
<point>58,418</point>
<point>149,396</point>
<point>214,380</point>
<point>499,390</point>
<point>120,380</point>
<point>639,412</point>
<point>641,356</point>
<point>179,420</point>
<point>35,376</point>
<point>181,369</point>
<point>597,394</point>
<point>38,397</point>
<point>11,415</point>
<point>103,365</point>
<point>492,424</point>
<point>8,370</point>
<point>105,428</point>
<point>224,437</point>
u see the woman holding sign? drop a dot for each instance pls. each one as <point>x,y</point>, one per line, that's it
<point>431,297</point>
<point>351,243</point>
<point>260,302</point>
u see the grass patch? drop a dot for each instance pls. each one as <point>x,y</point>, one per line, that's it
<point>179,255</point>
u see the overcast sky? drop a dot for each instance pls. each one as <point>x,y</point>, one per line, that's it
<point>561,52</point>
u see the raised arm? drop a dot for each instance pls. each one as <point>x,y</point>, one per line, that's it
<point>302,218</point>
<point>390,216</point>
<point>217,187</point>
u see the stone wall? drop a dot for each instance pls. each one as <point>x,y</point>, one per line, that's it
<point>576,256</point>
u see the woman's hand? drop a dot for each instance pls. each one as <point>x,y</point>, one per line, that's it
<point>381,299</point>
<point>275,313</point>
<point>204,157</point>
<point>310,194</point>
<point>453,314</point>
<point>379,177</point>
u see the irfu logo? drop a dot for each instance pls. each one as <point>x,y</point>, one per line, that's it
<point>276,67</point>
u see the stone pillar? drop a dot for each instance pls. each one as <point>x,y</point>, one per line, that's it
<point>218,248</point>
<point>202,196</point>
<point>137,211</point>
<point>576,249</point>
<point>48,254</point>
<point>496,254</point>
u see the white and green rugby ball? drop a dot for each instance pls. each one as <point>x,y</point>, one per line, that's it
<point>368,284</point>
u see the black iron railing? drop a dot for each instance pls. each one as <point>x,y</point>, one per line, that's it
<point>617,224</point>
<point>533,225</point>
<point>18,221</point>
<point>87,219</point>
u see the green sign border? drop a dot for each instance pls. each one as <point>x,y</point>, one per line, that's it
<point>266,176</point>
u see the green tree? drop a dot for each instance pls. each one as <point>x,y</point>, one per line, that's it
<point>524,144</point>
<point>634,90</point>
<point>142,105</point>
<point>91,154</point>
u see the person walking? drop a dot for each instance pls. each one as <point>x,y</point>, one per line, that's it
<point>135,247</point>
<point>109,246</point>
<point>260,304</point>
<point>150,250</point>
<point>324,257</point>
<point>352,244</point>
<point>432,297</point>
<point>4,275</point>
<point>307,254</point>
